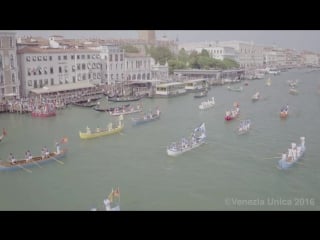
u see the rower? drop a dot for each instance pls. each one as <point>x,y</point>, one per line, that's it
<point>88,130</point>
<point>58,147</point>
<point>46,152</point>
<point>12,159</point>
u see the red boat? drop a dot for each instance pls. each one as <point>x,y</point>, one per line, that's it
<point>43,111</point>
<point>232,113</point>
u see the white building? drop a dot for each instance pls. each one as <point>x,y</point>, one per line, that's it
<point>137,66</point>
<point>9,80</point>
<point>310,59</point>
<point>159,72</point>
<point>45,67</point>
<point>112,60</point>
<point>250,55</point>
<point>220,53</point>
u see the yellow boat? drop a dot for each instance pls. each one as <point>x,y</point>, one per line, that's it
<point>102,132</point>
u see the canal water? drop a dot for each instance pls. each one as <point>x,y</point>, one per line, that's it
<point>230,172</point>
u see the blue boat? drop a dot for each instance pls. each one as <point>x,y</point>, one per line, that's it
<point>23,163</point>
<point>295,153</point>
<point>146,118</point>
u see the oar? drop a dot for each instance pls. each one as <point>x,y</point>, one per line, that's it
<point>57,160</point>
<point>36,163</point>
<point>26,169</point>
<point>271,158</point>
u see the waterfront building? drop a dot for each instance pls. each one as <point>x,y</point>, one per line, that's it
<point>9,79</point>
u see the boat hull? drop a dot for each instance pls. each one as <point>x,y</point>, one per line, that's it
<point>84,135</point>
<point>283,164</point>
<point>174,153</point>
<point>35,161</point>
<point>139,121</point>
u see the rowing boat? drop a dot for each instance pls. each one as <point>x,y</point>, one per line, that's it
<point>102,132</point>
<point>184,145</point>
<point>23,163</point>
<point>295,153</point>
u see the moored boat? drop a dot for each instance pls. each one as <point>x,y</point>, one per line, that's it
<point>146,118</point>
<point>201,94</point>
<point>124,99</point>
<point>197,139</point>
<point>110,109</point>
<point>294,154</point>
<point>118,112</point>
<point>112,203</point>
<point>110,130</point>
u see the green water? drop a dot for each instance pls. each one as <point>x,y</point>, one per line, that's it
<point>228,173</point>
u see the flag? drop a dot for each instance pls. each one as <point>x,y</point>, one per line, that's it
<point>64,140</point>
<point>110,197</point>
<point>201,128</point>
<point>116,193</point>
<point>4,132</point>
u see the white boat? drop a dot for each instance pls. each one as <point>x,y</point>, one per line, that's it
<point>207,104</point>
<point>244,126</point>
<point>197,139</point>
<point>112,203</point>
<point>125,111</point>
<point>256,96</point>
<point>293,155</point>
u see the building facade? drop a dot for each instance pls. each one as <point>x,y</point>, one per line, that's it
<point>9,79</point>
<point>149,36</point>
<point>40,67</point>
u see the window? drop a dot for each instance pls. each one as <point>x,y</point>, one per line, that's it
<point>89,75</point>
<point>83,56</point>
<point>83,66</point>
<point>34,58</point>
<point>89,65</point>
<point>94,75</point>
<point>50,58</point>
<point>51,70</point>
<point>39,58</point>
<point>78,66</point>
<point>88,56</point>
<point>13,78</point>
<point>72,57</point>
<point>52,81</point>
<point>60,69</point>
<point>116,57</point>
<point>65,57</point>
<point>14,89</point>
<point>39,70</point>
<point>29,71</point>
<point>98,75</point>
<point>1,78</point>
<point>73,79</point>
<point>11,42</point>
<point>121,57</point>
<point>28,58</point>
<point>1,66</point>
<point>45,70</point>
<point>44,58</point>
<point>84,76</point>
<point>78,56</point>
<point>110,57</point>
<point>66,69</point>
<point>40,83</point>
<point>29,83</point>
<point>59,57</point>
<point>93,66</point>
<point>79,76</point>
<point>66,80</point>
<point>11,61</point>
<point>46,82</point>
<point>73,68</point>
<point>35,84</point>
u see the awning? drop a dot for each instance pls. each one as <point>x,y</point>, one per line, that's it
<point>62,87</point>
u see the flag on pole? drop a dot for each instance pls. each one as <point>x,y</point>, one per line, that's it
<point>116,193</point>
<point>64,140</point>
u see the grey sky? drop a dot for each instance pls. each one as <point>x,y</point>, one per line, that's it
<point>295,39</point>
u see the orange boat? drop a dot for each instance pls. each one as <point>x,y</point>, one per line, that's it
<point>284,112</point>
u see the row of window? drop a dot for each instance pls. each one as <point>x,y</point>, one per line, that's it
<point>11,62</point>
<point>64,57</point>
<point>10,42</point>
<point>13,78</point>
<point>14,90</point>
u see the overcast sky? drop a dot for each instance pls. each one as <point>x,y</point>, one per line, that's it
<point>299,40</point>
